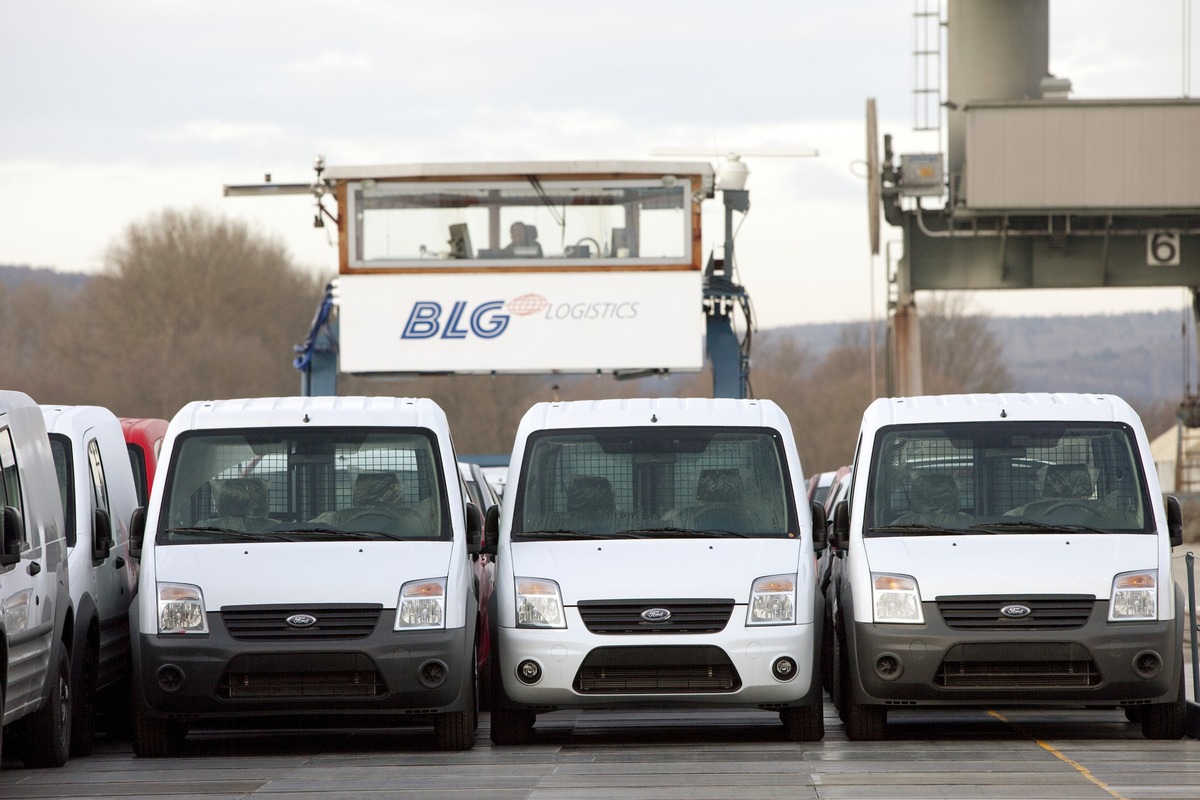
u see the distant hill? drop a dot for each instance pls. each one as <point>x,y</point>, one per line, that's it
<point>17,275</point>
<point>1139,356</point>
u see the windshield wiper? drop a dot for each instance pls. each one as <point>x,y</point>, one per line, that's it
<point>683,533</point>
<point>560,533</point>
<point>254,536</point>
<point>919,530</point>
<point>1030,525</point>
<point>335,533</point>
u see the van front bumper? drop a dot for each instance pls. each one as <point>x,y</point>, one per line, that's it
<point>384,673</point>
<point>1129,663</point>
<point>766,666</point>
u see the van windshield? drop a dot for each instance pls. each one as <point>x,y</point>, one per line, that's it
<point>1004,477</point>
<point>285,484</point>
<point>656,482</point>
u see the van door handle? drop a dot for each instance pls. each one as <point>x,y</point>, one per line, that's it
<point>120,562</point>
<point>34,568</point>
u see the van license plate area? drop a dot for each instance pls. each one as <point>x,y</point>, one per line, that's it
<point>1018,665</point>
<point>310,676</point>
<point>656,670</point>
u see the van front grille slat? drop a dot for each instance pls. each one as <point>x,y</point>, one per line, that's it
<point>270,623</point>
<point>624,617</point>
<point>1046,612</point>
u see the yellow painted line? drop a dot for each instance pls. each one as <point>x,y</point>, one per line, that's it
<point>1080,768</point>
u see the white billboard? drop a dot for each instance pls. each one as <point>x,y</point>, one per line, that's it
<point>520,322</point>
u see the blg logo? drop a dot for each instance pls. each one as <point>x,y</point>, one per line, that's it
<point>487,321</point>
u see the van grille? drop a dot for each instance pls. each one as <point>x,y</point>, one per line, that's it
<point>656,670</point>
<point>1046,612</point>
<point>270,623</point>
<point>311,676</point>
<point>1018,665</point>
<point>624,617</point>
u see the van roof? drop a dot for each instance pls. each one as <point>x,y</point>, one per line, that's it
<point>984,407</point>
<point>655,411</point>
<point>261,412</point>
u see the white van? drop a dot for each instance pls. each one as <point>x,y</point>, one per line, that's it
<point>305,559</point>
<point>36,618</point>
<point>1007,550</point>
<point>99,496</point>
<point>655,552</point>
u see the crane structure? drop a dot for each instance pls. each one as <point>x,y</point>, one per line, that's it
<point>524,267</point>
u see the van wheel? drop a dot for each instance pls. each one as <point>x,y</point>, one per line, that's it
<point>1166,720</point>
<point>839,673</point>
<point>864,723</point>
<point>157,738</point>
<point>803,723</point>
<point>47,739</point>
<point>455,730</point>
<point>827,651</point>
<point>1,721</point>
<point>83,720</point>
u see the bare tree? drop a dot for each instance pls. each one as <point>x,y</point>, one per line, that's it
<point>193,306</point>
<point>958,351</point>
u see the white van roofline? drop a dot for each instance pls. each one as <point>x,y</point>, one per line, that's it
<point>663,411</point>
<point>264,412</point>
<point>1062,406</point>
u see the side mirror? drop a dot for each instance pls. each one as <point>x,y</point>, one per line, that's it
<point>1174,520</point>
<point>102,540</point>
<point>491,530</point>
<point>820,528</point>
<point>12,535</point>
<point>474,529</point>
<point>841,525</point>
<point>137,531</point>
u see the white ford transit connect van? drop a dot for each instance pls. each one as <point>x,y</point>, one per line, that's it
<point>307,558</point>
<point>1007,550</point>
<point>36,619</point>
<point>655,552</point>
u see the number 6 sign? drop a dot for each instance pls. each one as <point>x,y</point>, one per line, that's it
<point>1162,248</point>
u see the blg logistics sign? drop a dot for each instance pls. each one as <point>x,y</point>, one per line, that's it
<point>520,322</point>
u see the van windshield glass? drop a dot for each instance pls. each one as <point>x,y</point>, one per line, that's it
<point>1006,477</point>
<point>654,483</point>
<point>310,484</point>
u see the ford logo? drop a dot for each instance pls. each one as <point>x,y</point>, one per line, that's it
<point>1016,611</point>
<point>301,620</point>
<point>656,614</point>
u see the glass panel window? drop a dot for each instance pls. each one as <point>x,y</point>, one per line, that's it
<point>288,484</point>
<point>496,223</point>
<point>1007,477</point>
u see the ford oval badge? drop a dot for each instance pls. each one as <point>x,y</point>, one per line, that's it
<point>301,620</point>
<point>1016,611</point>
<point>656,614</point>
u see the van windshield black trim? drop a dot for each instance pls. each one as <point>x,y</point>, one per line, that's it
<point>1006,476</point>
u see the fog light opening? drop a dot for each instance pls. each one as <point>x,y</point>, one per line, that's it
<point>432,674</point>
<point>170,678</point>
<point>1147,664</point>
<point>784,669</point>
<point>888,667</point>
<point>529,672</point>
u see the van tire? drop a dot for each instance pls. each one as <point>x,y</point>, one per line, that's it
<point>455,730</point>
<point>1166,720</point>
<point>83,720</point>
<point>803,723</point>
<point>839,673</point>
<point>47,739</point>
<point>828,664</point>
<point>156,738</point>
<point>864,723</point>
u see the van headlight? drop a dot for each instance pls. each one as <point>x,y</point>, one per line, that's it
<point>772,601</point>
<point>181,609</point>
<point>1134,596</point>
<point>896,598</point>
<point>422,605</point>
<point>539,604</point>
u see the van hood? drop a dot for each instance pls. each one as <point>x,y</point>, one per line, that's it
<point>301,572</point>
<point>622,569</point>
<point>1046,563</point>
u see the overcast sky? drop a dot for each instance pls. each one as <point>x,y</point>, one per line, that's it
<point>110,112</point>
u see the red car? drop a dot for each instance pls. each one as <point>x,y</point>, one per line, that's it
<point>144,437</point>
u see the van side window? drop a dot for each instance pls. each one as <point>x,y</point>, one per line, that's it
<point>99,485</point>
<point>10,484</point>
<point>60,448</point>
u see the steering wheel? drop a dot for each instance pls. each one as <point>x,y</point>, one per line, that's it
<point>1054,508</point>
<point>596,252</point>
